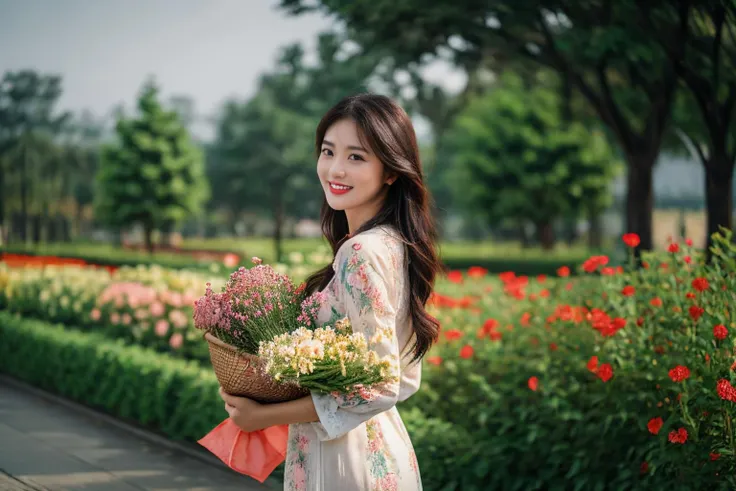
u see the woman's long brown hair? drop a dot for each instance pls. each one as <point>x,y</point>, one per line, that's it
<point>387,129</point>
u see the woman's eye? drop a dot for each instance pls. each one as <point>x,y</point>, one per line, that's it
<point>326,151</point>
<point>357,157</point>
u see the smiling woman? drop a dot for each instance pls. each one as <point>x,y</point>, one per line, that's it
<point>376,217</point>
<point>353,177</point>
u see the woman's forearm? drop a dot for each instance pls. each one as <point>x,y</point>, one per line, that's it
<point>291,412</point>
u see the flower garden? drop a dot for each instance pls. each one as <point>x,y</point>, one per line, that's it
<point>612,378</point>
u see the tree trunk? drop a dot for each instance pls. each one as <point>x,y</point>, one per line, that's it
<point>640,200</point>
<point>546,235</point>
<point>36,228</point>
<point>278,215</point>
<point>523,237</point>
<point>595,232</point>
<point>65,229</point>
<point>718,197</point>
<point>148,237</point>
<point>23,196</point>
<point>3,232</point>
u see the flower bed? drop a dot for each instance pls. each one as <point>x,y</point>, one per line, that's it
<point>613,379</point>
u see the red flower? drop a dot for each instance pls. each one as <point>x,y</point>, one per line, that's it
<point>541,278</point>
<point>687,259</point>
<point>495,336</point>
<point>605,372</point>
<point>628,291</point>
<point>695,312</point>
<point>656,302</point>
<point>466,352</point>
<point>631,240</point>
<point>592,364</point>
<point>690,295</point>
<point>644,468</point>
<point>533,383</point>
<point>563,271</point>
<point>700,284</point>
<point>725,390</point>
<point>654,425</point>
<point>720,332</point>
<point>553,346</point>
<point>714,456</point>
<point>453,334</point>
<point>679,373</point>
<point>689,242</point>
<point>594,262</point>
<point>435,360</point>
<point>674,247</point>
<point>679,436</point>
<point>455,276</point>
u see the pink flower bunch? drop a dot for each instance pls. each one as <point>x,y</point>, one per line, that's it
<point>256,304</point>
<point>310,308</point>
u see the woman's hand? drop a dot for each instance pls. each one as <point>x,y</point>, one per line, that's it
<point>247,414</point>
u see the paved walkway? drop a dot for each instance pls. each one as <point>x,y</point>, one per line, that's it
<point>49,444</point>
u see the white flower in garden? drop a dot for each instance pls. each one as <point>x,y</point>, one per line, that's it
<point>95,315</point>
<point>64,302</point>
<point>45,296</point>
<point>296,257</point>
<point>126,319</point>
<point>115,318</point>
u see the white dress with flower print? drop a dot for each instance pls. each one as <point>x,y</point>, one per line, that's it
<point>360,442</point>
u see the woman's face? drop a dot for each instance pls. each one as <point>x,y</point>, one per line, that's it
<point>351,175</point>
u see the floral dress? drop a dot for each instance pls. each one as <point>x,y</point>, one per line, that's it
<point>360,442</point>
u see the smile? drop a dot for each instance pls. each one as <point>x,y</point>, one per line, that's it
<point>339,189</point>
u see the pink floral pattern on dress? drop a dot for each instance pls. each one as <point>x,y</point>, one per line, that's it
<point>383,466</point>
<point>297,469</point>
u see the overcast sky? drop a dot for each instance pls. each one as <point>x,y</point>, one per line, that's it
<point>105,49</point>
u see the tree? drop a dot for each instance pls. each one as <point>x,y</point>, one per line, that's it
<point>265,146</point>
<point>515,159</point>
<point>153,175</point>
<point>601,48</point>
<point>708,70</point>
<point>28,121</point>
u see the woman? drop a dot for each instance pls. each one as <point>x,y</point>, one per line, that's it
<point>376,217</point>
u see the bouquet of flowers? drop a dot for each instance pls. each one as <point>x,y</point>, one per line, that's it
<point>265,344</point>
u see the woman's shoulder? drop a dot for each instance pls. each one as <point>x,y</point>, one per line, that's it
<point>382,246</point>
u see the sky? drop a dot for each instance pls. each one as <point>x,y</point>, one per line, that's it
<point>207,49</point>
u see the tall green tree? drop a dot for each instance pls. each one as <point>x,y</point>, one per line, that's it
<point>28,121</point>
<point>265,146</point>
<point>153,175</point>
<point>708,72</point>
<point>603,49</point>
<point>514,159</point>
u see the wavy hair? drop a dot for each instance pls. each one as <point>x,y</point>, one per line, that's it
<point>387,129</point>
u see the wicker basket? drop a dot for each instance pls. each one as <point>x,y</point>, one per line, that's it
<point>242,374</point>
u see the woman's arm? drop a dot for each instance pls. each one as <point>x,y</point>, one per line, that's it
<point>291,412</point>
<point>250,415</point>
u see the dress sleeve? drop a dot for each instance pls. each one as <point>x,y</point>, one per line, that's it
<point>366,277</point>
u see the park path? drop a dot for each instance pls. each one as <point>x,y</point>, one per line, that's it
<point>49,444</point>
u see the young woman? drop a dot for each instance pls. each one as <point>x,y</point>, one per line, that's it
<point>376,217</point>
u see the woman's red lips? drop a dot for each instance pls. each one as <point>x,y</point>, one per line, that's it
<point>335,190</point>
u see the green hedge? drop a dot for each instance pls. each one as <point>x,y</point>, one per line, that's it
<point>173,397</point>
